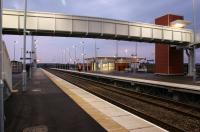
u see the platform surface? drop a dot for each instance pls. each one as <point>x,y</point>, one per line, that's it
<point>165,78</point>
<point>44,107</point>
<point>189,87</point>
<point>111,117</point>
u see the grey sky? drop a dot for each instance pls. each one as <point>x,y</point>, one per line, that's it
<point>132,10</point>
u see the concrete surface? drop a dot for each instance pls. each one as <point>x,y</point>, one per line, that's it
<point>44,107</point>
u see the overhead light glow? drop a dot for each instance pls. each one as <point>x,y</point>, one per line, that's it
<point>179,23</point>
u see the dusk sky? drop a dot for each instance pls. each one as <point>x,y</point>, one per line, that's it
<point>49,49</point>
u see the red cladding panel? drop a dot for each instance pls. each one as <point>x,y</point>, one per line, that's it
<point>169,60</point>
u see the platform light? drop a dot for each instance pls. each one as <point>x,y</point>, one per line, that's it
<point>179,23</point>
<point>135,57</point>
<point>126,51</point>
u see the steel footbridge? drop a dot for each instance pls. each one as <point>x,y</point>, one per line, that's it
<point>52,24</point>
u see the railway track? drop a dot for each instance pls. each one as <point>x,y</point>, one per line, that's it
<point>168,114</point>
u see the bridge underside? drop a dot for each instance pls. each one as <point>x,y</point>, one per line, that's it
<point>92,35</point>
<point>49,24</point>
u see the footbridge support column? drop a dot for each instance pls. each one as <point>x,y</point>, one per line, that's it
<point>168,58</point>
<point>190,54</point>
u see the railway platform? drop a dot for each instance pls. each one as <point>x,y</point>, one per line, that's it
<point>171,83</point>
<point>45,108</point>
<point>156,77</point>
<point>52,104</point>
<point>111,117</point>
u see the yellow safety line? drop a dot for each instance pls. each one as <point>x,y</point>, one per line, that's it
<point>105,121</point>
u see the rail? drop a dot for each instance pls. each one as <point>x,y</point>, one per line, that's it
<point>165,113</point>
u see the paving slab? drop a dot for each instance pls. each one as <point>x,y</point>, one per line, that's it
<point>44,107</point>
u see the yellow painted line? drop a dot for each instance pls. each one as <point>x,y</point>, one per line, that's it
<point>105,121</point>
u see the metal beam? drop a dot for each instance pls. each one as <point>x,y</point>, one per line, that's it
<point>196,44</point>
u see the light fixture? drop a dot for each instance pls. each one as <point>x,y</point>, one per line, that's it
<point>179,23</point>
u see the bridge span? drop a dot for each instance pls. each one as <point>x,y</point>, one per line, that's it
<point>51,24</point>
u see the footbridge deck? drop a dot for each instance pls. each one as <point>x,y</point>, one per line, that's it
<point>41,23</point>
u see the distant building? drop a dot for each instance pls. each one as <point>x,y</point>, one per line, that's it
<point>109,64</point>
<point>16,66</point>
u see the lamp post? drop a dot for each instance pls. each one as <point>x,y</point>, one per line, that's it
<point>96,55</point>
<point>194,30</point>
<point>87,66</point>
<point>116,54</point>
<point>34,56</point>
<point>58,59</point>
<point>126,51</point>
<point>24,54</point>
<point>74,46</point>
<point>117,48</point>
<point>136,49</point>
<point>1,74</point>
<point>65,59</point>
<point>21,56</point>
<point>62,59</point>
<point>14,50</point>
<point>57,55</point>
<point>83,54</point>
<point>30,70</point>
<point>31,56</point>
<point>69,61</point>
